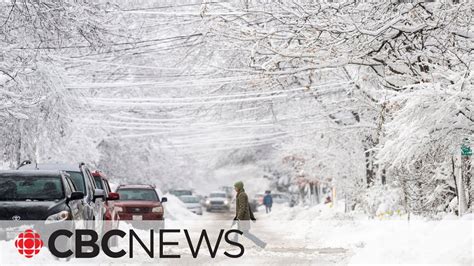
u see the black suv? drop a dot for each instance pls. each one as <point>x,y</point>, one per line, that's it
<point>94,197</point>
<point>39,195</point>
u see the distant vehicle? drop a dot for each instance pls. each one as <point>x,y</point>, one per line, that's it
<point>258,198</point>
<point>217,200</point>
<point>39,195</point>
<point>202,199</point>
<point>140,202</point>
<point>228,190</point>
<point>111,215</point>
<point>181,192</point>
<point>81,176</point>
<point>279,198</point>
<point>192,203</point>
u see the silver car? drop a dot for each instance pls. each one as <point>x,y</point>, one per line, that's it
<point>192,203</point>
<point>218,200</point>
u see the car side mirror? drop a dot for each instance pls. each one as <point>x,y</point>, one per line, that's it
<point>99,194</point>
<point>76,195</point>
<point>164,199</point>
<point>113,196</point>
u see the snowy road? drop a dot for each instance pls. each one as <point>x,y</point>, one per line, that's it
<point>280,250</point>
<point>309,239</point>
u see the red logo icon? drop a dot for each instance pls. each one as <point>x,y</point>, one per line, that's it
<point>28,243</point>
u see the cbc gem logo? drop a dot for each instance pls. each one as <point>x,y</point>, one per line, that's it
<point>28,243</point>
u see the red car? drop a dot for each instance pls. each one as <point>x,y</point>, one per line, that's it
<point>111,215</point>
<point>140,203</point>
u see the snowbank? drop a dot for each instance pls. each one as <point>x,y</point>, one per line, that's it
<point>375,241</point>
<point>176,210</point>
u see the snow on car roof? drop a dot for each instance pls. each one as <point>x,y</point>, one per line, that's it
<point>51,166</point>
<point>220,192</point>
<point>135,186</point>
<point>26,173</point>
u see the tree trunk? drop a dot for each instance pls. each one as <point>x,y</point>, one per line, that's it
<point>369,167</point>
<point>19,145</point>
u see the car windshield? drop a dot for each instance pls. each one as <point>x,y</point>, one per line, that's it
<point>179,193</point>
<point>19,188</point>
<point>218,195</point>
<point>78,180</point>
<point>190,199</point>
<point>138,194</point>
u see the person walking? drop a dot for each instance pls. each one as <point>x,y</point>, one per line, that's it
<point>243,215</point>
<point>268,201</point>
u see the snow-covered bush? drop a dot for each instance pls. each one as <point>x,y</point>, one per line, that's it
<point>382,200</point>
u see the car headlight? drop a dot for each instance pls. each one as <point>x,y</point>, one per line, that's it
<point>226,202</point>
<point>208,202</point>
<point>57,217</point>
<point>119,209</point>
<point>157,209</point>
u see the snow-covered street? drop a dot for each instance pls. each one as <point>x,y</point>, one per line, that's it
<point>321,235</point>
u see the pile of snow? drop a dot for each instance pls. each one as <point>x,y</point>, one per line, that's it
<point>175,209</point>
<point>419,242</point>
<point>382,200</point>
<point>374,241</point>
<point>304,212</point>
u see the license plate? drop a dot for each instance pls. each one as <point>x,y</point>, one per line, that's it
<point>137,218</point>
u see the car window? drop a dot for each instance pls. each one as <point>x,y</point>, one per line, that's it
<point>78,180</point>
<point>218,195</point>
<point>67,187</point>
<point>179,193</point>
<point>20,188</point>
<point>190,199</point>
<point>89,181</point>
<point>107,186</point>
<point>98,182</point>
<point>71,184</point>
<point>138,194</point>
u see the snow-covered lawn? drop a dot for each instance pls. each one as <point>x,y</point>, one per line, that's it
<point>390,241</point>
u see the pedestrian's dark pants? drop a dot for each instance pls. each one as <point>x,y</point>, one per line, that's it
<point>268,208</point>
<point>252,237</point>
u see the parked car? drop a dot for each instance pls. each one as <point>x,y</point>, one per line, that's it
<point>217,200</point>
<point>279,198</point>
<point>256,200</point>
<point>111,215</point>
<point>181,192</point>
<point>49,196</point>
<point>192,203</point>
<point>81,176</point>
<point>140,202</point>
<point>39,195</point>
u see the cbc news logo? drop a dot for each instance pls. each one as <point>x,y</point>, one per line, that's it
<point>28,243</point>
